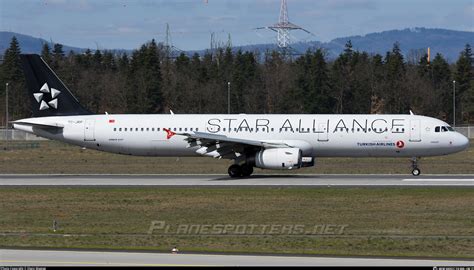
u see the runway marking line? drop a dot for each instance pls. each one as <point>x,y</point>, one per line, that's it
<point>407,260</point>
<point>96,263</point>
<point>437,180</point>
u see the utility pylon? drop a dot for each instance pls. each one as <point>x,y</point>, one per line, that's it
<point>168,42</point>
<point>170,50</point>
<point>283,27</point>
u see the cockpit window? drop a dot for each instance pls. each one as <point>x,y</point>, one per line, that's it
<point>443,129</point>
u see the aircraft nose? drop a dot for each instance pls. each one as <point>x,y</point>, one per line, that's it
<point>462,142</point>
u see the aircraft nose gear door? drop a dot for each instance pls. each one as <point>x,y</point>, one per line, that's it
<point>89,134</point>
<point>415,131</point>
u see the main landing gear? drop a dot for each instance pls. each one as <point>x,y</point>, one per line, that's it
<point>243,170</point>
<point>414,164</point>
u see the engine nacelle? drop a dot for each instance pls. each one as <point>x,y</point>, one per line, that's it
<point>279,159</point>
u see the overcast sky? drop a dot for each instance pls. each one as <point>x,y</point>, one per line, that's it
<point>129,23</point>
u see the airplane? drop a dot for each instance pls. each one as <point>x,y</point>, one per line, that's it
<point>267,141</point>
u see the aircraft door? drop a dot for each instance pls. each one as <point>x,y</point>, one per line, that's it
<point>89,132</point>
<point>415,131</point>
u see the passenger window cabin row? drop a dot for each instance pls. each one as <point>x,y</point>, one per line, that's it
<point>302,130</point>
<point>379,130</point>
<point>153,129</point>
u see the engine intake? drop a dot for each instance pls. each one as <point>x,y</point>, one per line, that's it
<point>279,159</point>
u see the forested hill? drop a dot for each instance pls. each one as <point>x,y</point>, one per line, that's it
<point>447,42</point>
<point>31,44</point>
<point>412,41</point>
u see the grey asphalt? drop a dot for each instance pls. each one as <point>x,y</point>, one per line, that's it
<point>224,180</point>
<point>11,257</point>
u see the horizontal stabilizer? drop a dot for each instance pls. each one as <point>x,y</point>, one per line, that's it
<point>38,125</point>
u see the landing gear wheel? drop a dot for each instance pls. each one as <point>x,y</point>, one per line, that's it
<point>416,172</point>
<point>235,171</point>
<point>414,164</point>
<point>247,170</point>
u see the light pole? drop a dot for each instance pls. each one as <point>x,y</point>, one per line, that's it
<point>228,97</point>
<point>6,116</point>
<point>454,103</point>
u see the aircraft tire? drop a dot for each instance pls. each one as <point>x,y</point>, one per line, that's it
<point>416,172</point>
<point>247,170</point>
<point>235,171</point>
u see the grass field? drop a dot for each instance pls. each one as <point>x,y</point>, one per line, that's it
<point>58,158</point>
<point>427,222</point>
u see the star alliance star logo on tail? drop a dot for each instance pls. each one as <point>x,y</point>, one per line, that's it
<point>44,105</point>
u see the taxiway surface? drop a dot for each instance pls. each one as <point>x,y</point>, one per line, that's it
<point>11,257</point>
<point>224,180</point>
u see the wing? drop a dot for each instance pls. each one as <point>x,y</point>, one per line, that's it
<point>221,146</point>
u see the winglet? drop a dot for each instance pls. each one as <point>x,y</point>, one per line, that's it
<point>169,133</point>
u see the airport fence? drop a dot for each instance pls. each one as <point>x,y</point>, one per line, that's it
<point>467,131</point>
<point>18,135</point>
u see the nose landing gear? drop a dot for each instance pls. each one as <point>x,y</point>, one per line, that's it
<point>414,164</point>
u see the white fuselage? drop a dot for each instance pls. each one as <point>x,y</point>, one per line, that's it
<point>315,135</point>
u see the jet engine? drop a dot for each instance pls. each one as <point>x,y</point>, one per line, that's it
<point>279,159</point>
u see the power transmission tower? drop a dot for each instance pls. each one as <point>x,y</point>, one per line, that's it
<point>168,42</point>
<point>229,41</point>
<point>283,28</point>
<point>170,50</point>
<point>217,43</point>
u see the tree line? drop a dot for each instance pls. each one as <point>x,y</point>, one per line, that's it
<point>150,80</point>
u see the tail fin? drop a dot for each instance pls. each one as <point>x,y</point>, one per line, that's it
<point>48,94</point>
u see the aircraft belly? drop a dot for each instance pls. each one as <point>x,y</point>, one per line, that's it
<point>163,148</point>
